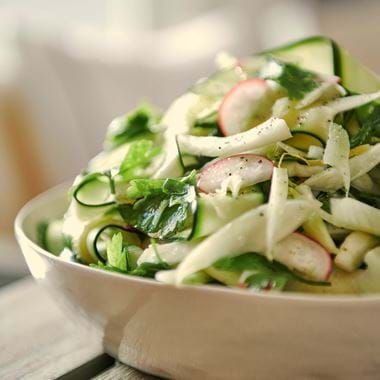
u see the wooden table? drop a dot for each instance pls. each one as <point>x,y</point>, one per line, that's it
<point>38,342</point>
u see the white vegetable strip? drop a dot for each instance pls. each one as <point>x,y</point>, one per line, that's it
<point>244,234</point>
<point>317,119</point>
<point>365,162</point>
<point>315,152</point>
<point>355,215</point>
<point>172,253</point>
<point>177,120</point>
<point>315,227</point>
<point>327,180</point>
<point>350,102</point>
<point>291,150</point>
<point>353,250</point>
<point>276,208</point>
<point>314,95</point>
<point>273,130</point>
<point>295,169</point>
<point>366,184</point>
<point>280,107</point>
<point>166,276</point>
<point>337,153</point>
<point>330,180</point>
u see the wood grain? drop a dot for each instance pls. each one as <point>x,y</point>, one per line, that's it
<point>120,372</point>
<point>36,340</point>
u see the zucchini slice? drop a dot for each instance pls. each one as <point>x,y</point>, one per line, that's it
<point>314,53</point>
<point>303,140</point>
<point>214,211</point>
<point>98,238</point>
<point>95,190</point>
<point>50,236</point>
<point>323,55</point>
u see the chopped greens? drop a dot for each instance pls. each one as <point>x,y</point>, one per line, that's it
<point>163,208</point>
<point>149,269</point>
<point>119,260</point>
<point>139,156</point>
<point>41,233</point>
<point>369,128</point>
<point>272,155</point>
<point>295,80</point>
<point>206,125</point>
<point>261,274</point>
<point>116,253</point>
<point>137,123</point>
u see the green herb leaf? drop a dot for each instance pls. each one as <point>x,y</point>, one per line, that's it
<point>206,125</point>
<point>117,253</point>
<point>370,127</point>
<point>163,207</point>
<point>143,270</point>
<point>139,156</point>
<point>137,123</point>
<point>41,234</point>
<point>149,269</point>
<point>106,267</point>
<point>265,275</point>
<point>295,80</point>
<point>140,188</point>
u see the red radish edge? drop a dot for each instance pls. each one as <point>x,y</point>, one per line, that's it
<point>330,267</point>
<point>219,160</point>
<point>237,87</point>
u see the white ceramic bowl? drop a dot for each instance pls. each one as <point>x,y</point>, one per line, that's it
<point>207,332</point>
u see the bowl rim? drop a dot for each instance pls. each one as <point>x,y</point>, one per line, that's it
<point>40,199</point>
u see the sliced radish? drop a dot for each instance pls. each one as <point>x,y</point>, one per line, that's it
<point>249,168</point>
<point>244,106</point>
<point>305,256</point>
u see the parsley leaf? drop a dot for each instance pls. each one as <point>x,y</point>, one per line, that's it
<point>107,267</point>
<point>163,207</point>
<point>295,80</point>
<point>139,156</point>
<point>370,127</point>
<point>136,123</point>
<point>118,260</point>
<point>265,275</point>
<point>149,269</point>
<point>117,253</point>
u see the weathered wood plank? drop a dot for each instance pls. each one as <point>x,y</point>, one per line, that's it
<point>121,372</point>
<point>36,340</point>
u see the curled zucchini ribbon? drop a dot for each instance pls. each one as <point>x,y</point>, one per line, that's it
<point>104,186</point>
<point>102,231</point>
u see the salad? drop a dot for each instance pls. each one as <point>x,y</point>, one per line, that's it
<point>264,176</point>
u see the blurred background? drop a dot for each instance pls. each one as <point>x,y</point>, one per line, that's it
<point>68,67</point>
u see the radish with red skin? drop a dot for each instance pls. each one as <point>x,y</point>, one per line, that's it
<point>242,107</point>
<point>304,255</point>
<point>250,168</point>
